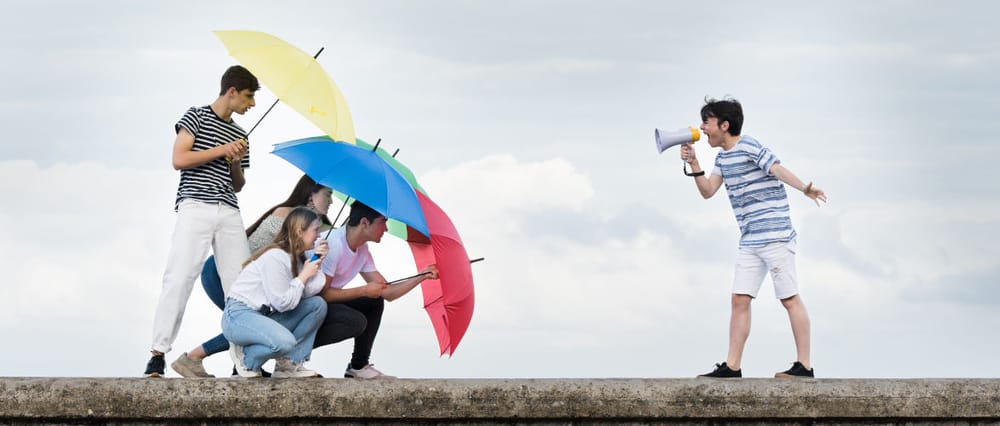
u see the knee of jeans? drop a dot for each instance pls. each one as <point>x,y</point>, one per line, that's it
<point>360,324</point>
<point>283,345</point>
<point>315,304</point>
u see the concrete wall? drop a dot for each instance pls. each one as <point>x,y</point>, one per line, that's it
<point>152,401</point>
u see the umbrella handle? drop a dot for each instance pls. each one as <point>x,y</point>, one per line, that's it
<point>425,273</point>
<point>407,278</point>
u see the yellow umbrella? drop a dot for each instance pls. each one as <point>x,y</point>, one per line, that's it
<point>295,77</point>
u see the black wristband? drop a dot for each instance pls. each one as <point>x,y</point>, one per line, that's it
<point>695,174</point>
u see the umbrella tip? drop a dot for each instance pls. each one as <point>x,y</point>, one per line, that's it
<point>477,259</point>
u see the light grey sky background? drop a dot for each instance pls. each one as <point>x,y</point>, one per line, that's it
<point>531,123</point>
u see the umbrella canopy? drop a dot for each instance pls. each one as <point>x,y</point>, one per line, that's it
<point>450,299</point>
<point>359,173</point>
<point>396,228</point>
<point>295,77</point>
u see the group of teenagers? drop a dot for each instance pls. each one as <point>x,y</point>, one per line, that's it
<point>279,303</point>
<point>281,282</point>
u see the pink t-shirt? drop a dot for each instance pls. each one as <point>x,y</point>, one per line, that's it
<point>343,264</point>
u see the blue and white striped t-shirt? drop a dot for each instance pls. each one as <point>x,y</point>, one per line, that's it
<point>758,198</point>
<point>210,181</point>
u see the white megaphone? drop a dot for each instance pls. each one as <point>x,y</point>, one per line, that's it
<point>665,140</point>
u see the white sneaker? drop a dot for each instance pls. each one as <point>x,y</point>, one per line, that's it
<point>284,368</point>
<point>236,353</point>
<point>366,372</point>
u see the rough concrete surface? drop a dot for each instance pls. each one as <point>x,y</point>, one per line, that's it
<point>304,401</point>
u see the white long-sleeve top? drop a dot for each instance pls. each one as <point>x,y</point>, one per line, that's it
<point>268,280</point>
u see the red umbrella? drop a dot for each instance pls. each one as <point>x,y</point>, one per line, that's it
<point>449,300</point>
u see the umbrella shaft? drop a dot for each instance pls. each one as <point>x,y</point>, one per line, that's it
<point>276,101</point>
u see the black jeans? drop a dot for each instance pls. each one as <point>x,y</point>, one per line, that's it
<point>358,318</point>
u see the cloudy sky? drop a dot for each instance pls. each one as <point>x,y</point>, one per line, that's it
<point>531,124</point>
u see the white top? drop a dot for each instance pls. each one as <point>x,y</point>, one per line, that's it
<point>343,264</point>
<point>269,281</point>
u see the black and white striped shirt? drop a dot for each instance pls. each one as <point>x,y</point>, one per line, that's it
<point>210,181</point>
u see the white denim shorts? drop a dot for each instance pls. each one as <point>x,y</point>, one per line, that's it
<point>753,263</point>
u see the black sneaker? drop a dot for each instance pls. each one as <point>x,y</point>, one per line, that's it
<point>155,366</point>
<point>797,370</point>
<point>723,371</point>
<point>263,373</point>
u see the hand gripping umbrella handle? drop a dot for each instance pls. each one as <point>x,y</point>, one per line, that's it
<point>425,273</point>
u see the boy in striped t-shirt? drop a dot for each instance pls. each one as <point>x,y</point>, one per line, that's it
<point>754,179</point>
<point>210,151</point>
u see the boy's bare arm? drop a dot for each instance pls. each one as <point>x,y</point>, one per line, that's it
<point>236,173</point>
<point>789,178</point>
<point>706,186</point>
<point>372,289</point>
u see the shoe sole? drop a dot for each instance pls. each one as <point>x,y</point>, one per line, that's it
<point>791,376</point>
<point>348,376</point>
<point>293,376</point>
<point>153,375</point>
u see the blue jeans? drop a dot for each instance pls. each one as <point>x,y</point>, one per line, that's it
<point>212,284</point>
<point>278,335</point>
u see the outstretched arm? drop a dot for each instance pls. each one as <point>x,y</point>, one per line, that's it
<point>372,289</point>
<point>397,290</point>
<point>793,181</point>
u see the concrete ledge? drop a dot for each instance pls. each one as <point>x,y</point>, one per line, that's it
<point>138,400</point>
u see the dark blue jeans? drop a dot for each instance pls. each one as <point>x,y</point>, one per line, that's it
<point>212,284</point>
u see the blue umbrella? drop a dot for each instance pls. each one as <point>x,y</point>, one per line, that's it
<point>358,173</point>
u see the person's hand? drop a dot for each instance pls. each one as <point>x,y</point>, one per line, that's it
<point>309,270</point>
<point>322,248</point>
<point>814,193</point>
<point>374,289</point>
<point>687,153</point>
<point>431,272</point>
<point>235,150</point>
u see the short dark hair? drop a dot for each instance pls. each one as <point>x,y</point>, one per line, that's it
<point>727,109</point>
<point>240,78</point>
<point>360,211</point>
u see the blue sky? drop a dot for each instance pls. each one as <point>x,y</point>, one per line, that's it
<point>531,124</point>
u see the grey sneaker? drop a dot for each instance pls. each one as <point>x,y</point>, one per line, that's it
<point>284,368</point>
<point>367,372</point>
<point>188,367</point>
<point>236,353</point>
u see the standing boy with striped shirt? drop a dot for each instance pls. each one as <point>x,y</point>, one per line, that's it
<point>753,176</point>
<point>210,151</point>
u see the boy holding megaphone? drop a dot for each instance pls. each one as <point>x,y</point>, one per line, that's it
<point>755,180</point>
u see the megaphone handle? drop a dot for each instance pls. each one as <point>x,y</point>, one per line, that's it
<point>684,168</point>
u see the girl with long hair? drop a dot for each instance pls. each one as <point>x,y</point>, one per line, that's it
<point>272,310</point>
